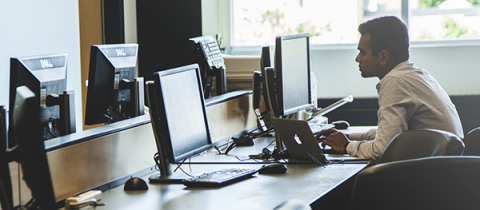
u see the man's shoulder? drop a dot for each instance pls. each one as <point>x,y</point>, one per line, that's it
<point>408,73</point>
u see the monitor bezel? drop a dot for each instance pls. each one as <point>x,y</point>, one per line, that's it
<point>279,79</point>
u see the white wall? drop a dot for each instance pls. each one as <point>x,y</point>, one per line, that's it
<point>216,20</point>
<point>456,68</point>
<point>130,14</point>
<point>32,27</point>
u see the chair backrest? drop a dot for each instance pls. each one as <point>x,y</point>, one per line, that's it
<point>426,183</point>
<point>421,143</point>
<point>472,142</point>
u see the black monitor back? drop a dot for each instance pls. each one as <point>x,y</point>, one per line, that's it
<point>31,150</point>
<point>6,196</point>
<point>109,64</point>
<point>43,75</point>
<point>267,59</point>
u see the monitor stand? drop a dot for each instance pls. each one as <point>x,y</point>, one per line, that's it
<point>166,175</point>
<point>137,91</point>
<point>172,179</point>
<point>221,80</point>
<point>66,102</point>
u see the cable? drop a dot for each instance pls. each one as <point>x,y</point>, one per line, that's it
<point>181,169</point>
<point>55,129</point>
<point>156,158</point>
<point>246,136</point>
<point>247,159</point>
<point>227,144</point>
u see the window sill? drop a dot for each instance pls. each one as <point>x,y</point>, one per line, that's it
<point>256,50</point>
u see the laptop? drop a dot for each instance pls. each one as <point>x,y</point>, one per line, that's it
<point>301,143</point>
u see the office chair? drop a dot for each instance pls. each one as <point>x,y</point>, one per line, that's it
<point>472,142</point>
<point>421,143</point>
<point>425,183</point>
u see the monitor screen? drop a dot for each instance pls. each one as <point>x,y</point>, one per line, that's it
<point>182,112</point>
<point>292,73</point>
<point>43,75</point>
<point>107,100</point>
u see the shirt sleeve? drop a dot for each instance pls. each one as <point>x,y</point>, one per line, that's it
<point>396,106</point>
<point>369,135</point>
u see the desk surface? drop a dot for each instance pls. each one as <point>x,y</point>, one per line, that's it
<point>306,182</point>
<point>240,155</point>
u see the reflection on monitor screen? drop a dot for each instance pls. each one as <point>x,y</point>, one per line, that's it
<point>185,113</point>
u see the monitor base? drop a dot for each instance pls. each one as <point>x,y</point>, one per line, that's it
<point>172,179</point>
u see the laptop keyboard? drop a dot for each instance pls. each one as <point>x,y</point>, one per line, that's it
<point>219,178</point>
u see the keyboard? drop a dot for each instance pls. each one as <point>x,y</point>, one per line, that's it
<point>219,178</point>
<point>317,127</point>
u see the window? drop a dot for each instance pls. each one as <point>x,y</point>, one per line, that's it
<point>444,19</point>
<point>257,22</point>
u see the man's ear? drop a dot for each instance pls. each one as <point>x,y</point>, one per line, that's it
<point>384,57</point>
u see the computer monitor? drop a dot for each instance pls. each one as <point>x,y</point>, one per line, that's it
<point>46,76</point>
<point>113,93</point>
<point>30,149</point>
<point>5,179</point>
<point>292,73</point>
<point>179,119</point>
<point>4,200</point>
<point>267,59</point>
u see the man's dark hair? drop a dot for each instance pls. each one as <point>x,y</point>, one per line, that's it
<point>387,33</point>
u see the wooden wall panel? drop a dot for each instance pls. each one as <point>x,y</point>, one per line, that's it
<point>90,12</point>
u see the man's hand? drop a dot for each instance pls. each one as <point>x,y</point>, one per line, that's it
<point>325,133</point>
<point>333,138</point>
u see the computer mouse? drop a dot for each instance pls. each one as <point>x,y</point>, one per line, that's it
<point>276,168</point>
<point>135,183</point>
<point>341,124</point>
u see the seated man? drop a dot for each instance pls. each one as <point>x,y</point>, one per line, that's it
<point>409,97</point>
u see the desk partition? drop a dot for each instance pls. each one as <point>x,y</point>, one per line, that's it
<point>106,156</point>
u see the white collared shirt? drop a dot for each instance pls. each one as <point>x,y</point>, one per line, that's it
<point>409,98</point>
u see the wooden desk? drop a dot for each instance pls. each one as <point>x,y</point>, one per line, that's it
<point>305,182</point>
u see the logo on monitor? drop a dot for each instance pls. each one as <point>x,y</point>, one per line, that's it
<point>46,63</point>
<point>120,52</point>
<point>297,139</point>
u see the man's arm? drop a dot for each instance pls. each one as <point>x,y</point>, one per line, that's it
<point>396,107</point>
<point>369,135</point>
